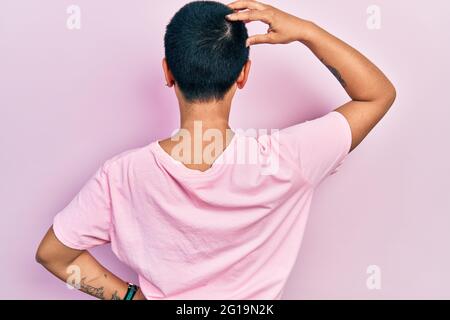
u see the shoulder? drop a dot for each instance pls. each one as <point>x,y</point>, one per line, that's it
<point>330,128</point>
<point>126,160</point>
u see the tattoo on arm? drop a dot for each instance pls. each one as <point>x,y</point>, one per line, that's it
<point>115,296</point>
<point>336,73</point>
<point>93,291</point>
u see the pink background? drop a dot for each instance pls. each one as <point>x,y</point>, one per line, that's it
<point>71,99</point>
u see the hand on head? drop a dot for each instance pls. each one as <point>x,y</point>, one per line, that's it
<point>283,27</point>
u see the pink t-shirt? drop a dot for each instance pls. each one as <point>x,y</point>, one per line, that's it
<point>232,232</point>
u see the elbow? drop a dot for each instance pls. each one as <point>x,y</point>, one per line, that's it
<point>390,91</point>
<point>41,256</point>
<point>392,94</point>
<point>44,255</point>
<point>388,95</point>
<point>52,254</point>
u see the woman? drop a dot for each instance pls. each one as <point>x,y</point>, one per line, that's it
<point>191,225</point>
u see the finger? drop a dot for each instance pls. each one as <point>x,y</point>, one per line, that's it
<point>251,15</point>
<point>258,39</point>
<point>246,4</point>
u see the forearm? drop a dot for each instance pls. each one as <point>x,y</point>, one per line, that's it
<point>362,80</point>
<point>89,276</point>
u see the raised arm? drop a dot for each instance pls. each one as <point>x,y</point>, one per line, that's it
<point>94,279</point>
<point>371,92</point>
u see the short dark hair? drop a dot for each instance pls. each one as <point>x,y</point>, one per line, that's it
<point>204,51</point>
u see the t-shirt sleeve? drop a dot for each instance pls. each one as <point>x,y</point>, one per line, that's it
<point>318,146</point>
<point>85,222</point>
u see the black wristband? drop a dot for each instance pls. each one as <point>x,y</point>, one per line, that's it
<point>131,292</point>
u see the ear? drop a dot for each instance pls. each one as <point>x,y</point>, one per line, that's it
<point>170,81</point>
<point>243,77</point>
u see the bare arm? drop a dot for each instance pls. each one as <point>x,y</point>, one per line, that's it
<point>95,280</point>
<point>371,92</point>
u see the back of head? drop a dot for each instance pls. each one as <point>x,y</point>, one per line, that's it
<point>204,51</point>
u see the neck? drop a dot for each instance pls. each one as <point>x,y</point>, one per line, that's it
<point>197,119</point>
<point>211,115</point>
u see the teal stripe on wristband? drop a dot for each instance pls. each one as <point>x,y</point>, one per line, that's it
<point>131,292</point>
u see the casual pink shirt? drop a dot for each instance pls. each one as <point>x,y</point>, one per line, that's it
<point>232,232</point>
